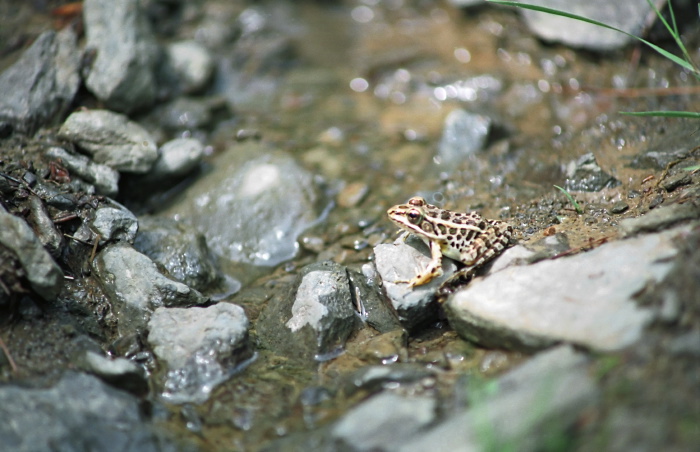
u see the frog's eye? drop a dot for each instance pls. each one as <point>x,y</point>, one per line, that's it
<point>414,216</point>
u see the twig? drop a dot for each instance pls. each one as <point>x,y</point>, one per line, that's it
<point>7,354</point>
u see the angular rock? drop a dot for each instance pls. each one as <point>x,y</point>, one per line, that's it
<point>44,228</point>
<point>378,423</point>
<point>587,299</point>
<point>136,288</point>
<point>182,251</point>
<point>78,413</point>
<point>111,139</point>
<point>464,134</point>
<point>115,224</point>
<point>192,65</point>
<point>401,261</point>
<point>123,72</point>
<point>201,346</point>
<point>42,272</point>
<point>251,208</point>
<point>177,158</point>
<point>118,372</point>
<point>585,174</point>
<point>104,178</point>
<point>40,86</point>
<point>554,389</point>
<point>629,16</point>
<point>660,218</point>
<point>374,307</point>
<point>315,319</point>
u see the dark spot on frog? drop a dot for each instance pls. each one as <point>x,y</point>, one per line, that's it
<point>426,226</point>
<point>442,228</point>
<point>445,215</point>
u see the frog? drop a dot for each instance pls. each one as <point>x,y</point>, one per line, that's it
<point>465,237</point>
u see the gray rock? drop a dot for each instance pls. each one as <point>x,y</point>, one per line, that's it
<point>372,304</point>
<point>182,251</point>
<point>123,73</point>
<point>118,372</point>
<point>379,422</point>
<point>135,287</point>
<point>255,212</point>
<point>584,174</point>
<point>531,406</point>
<point>464,134</point>
<point>187,113</point>
<point>115,224</point>
<point>202,347</point>
<point>78,413</point>
<point>315,319</point>
<point>587,299</point>
<point>375,378</point>
<point>177,158</point>
<point>401,261</point>
<point>40,86</point>
<point>660,218</point>
<point>44,275</point>
<point>629,16</point>
<point>191,63</point>
<point>104,178</point>
<point>44,228</point>
<point>111,139</point>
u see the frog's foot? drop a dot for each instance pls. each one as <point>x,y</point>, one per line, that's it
<point>423,277</point>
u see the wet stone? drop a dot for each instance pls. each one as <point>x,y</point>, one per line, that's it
<point>135,287</point>
<point>202,347</point>
<point>191,64</point>
<point>585,174</point>
<point>118,372</point>
<point>401,261</point>
<point>661,218</point>
<point>315,319</point>
<point>115,224</point>
<point>352,194</point>
<point>122,75</point>
<point>619,207</point>
<point>535,306</point>
<point>375,378</point>
<point>104,178</point>
<point>111,139</point>
<point>557,382</point>
<point>181,250</point>
<point>41,85</point>
<point>177,158</point>
<point>378,423</point>
<point>252,210</point>
<point>44,227</point>
<point>44,275</point>
<point>629,16</point>
<point>464,134</point>
<point>374,308</point>
<point>78,413</point>
<point>677,180</point>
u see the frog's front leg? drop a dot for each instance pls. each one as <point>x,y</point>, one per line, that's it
<point>433,270</point>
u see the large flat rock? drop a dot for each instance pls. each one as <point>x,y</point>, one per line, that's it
<point>587,299</point>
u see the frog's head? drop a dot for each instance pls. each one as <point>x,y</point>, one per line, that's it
<point>411,216</point>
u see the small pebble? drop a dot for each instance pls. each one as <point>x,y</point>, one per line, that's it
<point>619,207</point>
<point>656,201</point>
<point>675,181</point>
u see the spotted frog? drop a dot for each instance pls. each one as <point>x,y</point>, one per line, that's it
<point>465,237</point>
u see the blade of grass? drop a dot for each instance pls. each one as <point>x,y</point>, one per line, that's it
<point>692,168</point>
<point>571,199</point>
<point>673,30</point>
<point>666,114</point>
<point>679,61</point>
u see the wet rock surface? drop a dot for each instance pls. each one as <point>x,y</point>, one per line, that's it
<point>111,139</point>
<point>202,347</point>
<point>51,417</point>
<point>253,212</point>
<point>563,300</point>
<point>126,53</point>
<point>132,282</point>
<point>276,135</point>
<point>315,319</point>
<point>40,87</point>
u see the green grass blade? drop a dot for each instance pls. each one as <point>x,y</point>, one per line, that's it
<point>571,199</point>
<point>679,61</point>
<point>662,113</point>
<point>672,30</point>
<point>692,168</point>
